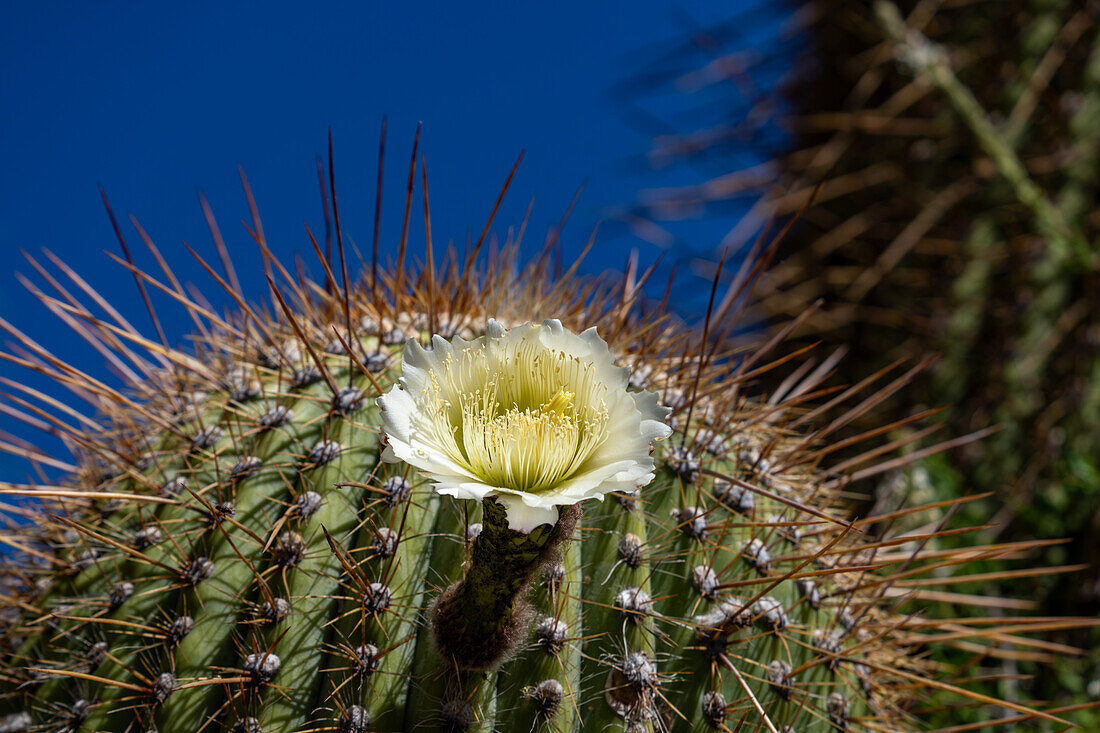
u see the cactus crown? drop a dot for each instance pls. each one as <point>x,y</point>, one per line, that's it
<point>229,551</point>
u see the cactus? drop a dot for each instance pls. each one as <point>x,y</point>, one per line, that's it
<point>230,551</point>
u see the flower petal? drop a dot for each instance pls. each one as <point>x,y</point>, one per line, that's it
<point>523,517</point>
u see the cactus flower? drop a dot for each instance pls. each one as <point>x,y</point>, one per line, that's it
<point>536,416</point>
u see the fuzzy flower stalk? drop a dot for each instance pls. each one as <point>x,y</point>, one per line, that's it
<point>530,421</point>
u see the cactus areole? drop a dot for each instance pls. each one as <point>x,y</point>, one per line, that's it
<point>358,507</point>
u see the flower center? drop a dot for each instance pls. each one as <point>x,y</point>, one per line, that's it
<point>520,417</point>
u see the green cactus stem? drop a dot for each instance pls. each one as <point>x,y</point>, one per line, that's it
<point>479,621</point>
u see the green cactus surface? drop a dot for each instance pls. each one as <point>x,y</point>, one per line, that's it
<point>230,553</point>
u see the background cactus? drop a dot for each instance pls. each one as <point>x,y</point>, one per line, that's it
<point>231,554</point>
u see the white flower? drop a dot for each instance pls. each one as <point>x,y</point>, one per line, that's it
<point>536,416</point>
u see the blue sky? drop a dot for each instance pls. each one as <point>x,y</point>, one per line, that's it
<point>156,101</point>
